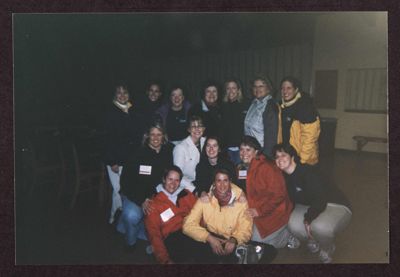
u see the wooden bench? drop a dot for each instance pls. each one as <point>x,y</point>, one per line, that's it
<point>363,140</point>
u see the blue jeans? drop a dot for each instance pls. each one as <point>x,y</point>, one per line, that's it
<point>131,222</point>
<point>234,156</point>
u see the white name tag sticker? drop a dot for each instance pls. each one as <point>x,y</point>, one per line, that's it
<point>167,215</point>
<point>145,170</point>
<point>242,174</point>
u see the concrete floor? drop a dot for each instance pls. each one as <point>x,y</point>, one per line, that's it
<point>47,233</point>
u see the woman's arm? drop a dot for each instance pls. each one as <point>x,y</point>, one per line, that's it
<point>153,223</point>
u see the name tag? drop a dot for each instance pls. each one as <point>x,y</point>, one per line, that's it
<point>242,174</point>
<point>167,215</point>
<point>145,170</point>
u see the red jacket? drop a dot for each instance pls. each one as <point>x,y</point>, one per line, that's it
<point>157,230</point>
<point>266,192</point>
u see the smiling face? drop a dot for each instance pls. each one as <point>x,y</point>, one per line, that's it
<point>121,95</point>
<point>172,181</point>
<point>283,160</point>
<point>196,130</point>
<point>247,153</point>
<point>211,95</point>
<point>155,138</point>
<point>177,98</point>
<point>154,93</point>
<point>232,91</point>
<point>260,89</point>
<point>222,183</point>
<point>212,148</point>
<point>288,91</point>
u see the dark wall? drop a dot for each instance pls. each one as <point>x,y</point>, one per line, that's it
<point>67,64</point>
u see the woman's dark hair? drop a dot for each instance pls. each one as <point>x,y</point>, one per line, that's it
<point>252,142</point>
<point>175,87</point>
<point>222,170</point>
<point>203,152</point>
<point>294,81</point>
<point>194,118</point>
<point>153,83</point>
<point>287,148</point>
<point>209,83</point>
<point>265,80</point>
<point>173,168</point>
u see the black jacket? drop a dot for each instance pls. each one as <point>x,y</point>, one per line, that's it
<point>138,186</point>
<point>205,172</point>
<point>305,186</point>
<point>211,119</point>
<point>232,121</point>
<point>123,135</point>
<point>146,110</point>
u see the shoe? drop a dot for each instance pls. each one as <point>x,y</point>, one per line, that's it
<point>149,250</point>
<point>326,256</point>
<point>268,255</point>
<point>249,254</point>
<point>313,246</point>
<point>241,253</point>
<point>293,242</point>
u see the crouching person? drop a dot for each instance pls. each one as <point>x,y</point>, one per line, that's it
<point>321,210</point>
<point>218,225</point>
<point>164,222</point>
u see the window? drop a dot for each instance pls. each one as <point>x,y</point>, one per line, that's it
<point>366,90</point>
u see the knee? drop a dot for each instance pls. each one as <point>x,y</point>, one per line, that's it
<point>298,230</point>
<point>133,216</point>
<point>323,231</point>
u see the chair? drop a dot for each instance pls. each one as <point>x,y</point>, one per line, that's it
<point>44,160</point>
<point>89,169</point>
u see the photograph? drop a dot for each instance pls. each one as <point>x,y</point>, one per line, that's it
<point>145,138</point>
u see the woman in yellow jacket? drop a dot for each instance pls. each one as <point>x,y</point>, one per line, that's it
<point>300,121</point>
<point>219,221</point>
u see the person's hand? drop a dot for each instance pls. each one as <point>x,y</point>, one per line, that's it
<point>204,197</point>
<point>308,229</point>
<point>147,206</point>
<point>115,168</point>
<point>242,198</point>
<point>230,246</point>
<point>252,213</point>
<point>216,244</point>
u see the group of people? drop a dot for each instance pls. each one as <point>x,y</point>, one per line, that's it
<point>221,181</point>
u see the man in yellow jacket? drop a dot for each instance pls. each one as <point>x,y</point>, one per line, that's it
<point>219,221</point>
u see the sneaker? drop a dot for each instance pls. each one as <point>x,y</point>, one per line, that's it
<point>293,242</point>
<point>149,250</point>
<point>249,254</point>
<point>326,256</point>
<point>241,253</point>
<point>313,246</point>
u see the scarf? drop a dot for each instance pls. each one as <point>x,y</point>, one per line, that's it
<point>290,102</point>
<point>123,107</point>
<point>223,198</point>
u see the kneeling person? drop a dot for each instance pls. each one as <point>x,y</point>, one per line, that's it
<point>164,222</point>
<point>221,222</point>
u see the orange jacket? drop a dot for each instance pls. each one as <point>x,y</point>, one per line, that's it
<point>266,192</point>
<point>157,230</point>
